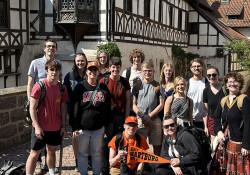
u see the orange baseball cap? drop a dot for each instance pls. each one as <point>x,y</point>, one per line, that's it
<point>93,64</point>
<point>131,119</point>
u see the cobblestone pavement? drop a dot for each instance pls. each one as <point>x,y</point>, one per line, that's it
<point>20,154</point>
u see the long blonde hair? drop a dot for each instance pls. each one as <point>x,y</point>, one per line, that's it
<point>98,61</point>
<point>162,76</point>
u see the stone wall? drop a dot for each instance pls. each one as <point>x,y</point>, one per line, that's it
<point>12,130</point>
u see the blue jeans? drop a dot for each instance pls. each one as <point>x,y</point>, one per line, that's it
<point>92,140</point>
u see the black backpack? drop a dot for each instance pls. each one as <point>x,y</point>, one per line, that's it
<point>204,142</point>
<point>119,140</point>
<point>27,117</point>
<point>10,169</point>
<point>128,72</point>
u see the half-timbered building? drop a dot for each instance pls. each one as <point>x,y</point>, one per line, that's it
<point>83,25</point>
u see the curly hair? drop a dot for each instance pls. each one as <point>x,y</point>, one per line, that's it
<point>177,79</point>
<point>237,76</point>
<point>136,52</point>
<point>98,57</point>
<point>162,76</point>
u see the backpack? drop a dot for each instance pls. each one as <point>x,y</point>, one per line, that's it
<point>240,99</point>
<point>119,140</point>
<point>27,117</point>
<point>10,169</point>
<point>128,72</point>
<point>122,80</point>
<point>156,86</point>
<point>203,140</point>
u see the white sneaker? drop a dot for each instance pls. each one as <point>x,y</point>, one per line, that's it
<point>38,169</point>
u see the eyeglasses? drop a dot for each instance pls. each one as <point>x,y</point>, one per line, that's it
<point>211,75</point>
<point>170,125</point>
<point>147,71</point>
<point>50,46</point>
<point>198,66</point>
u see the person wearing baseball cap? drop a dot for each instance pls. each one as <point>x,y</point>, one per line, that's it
<point>117,153</point>
<point>89,116</point>
<point>93,64</point>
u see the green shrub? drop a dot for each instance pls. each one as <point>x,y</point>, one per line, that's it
<point>112,48</point>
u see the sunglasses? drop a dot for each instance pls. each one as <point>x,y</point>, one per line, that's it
<point>170,125</point>
<point>92,69</point>
<point>211,75</point>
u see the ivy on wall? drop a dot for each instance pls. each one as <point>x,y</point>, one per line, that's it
<point>241,47</point>
<point>181,60</point>
<point>112,48</point>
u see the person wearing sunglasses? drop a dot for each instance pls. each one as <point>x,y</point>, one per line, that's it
<point>181,148</point>
<point>71,79</point>
<point>212,96</point>
<point>89,116</point>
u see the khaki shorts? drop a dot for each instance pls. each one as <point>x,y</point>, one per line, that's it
<point>154,133</point>
<point>115,171</point>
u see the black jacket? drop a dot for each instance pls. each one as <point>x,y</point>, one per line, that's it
<point>189,150</point>
<point>91,117</point>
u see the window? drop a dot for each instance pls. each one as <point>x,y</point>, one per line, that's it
<point>147,8</point>
<point>1,64</point>
<point>180,20</point>
<point>128,5</point>
<point>233,18</point>
<point>193,28</point>
<point>170,16</point>
<point>3,14</point>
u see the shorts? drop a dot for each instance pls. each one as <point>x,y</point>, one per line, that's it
<point>52,138</point>
<point>154,133</point>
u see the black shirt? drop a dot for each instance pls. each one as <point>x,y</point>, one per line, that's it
<point>95,116</point>
<point>234,116</point>
<point>213,100</point>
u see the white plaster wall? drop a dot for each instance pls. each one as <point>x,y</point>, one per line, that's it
<point>152,9</point>
<point>141,8</point>
<point>119,4</point>
<point>134,7</point>
<point>48,24</point>
<point>244,31</point>
<point>163,53</point>
<point>14,3</point>
<point>201,19</point>
<point>193,16</point>
<point>23,4</point>
<point>23,20</point>
<point>14,19</point>
<point>176,17</point>
<point>212,40</point>
<point>1,82</point>
<point>208,56</point>
<point>34,5</point>
<point>103,24</point>
<point>102,5</point>
<point>164,12</point>
<point>203,29</point>
<point>202,40</point>
<point>156,7</point>
<point>212,30</point>
<point>183,21</point>
<point>222,39</point>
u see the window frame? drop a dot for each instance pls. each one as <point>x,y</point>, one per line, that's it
<point>5,10</point>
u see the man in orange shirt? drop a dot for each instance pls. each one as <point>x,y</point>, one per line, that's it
<point>118,142</point>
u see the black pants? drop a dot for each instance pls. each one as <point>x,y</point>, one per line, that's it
<point>165,169</point>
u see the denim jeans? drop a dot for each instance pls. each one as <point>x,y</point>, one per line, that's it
<point>92,140</point>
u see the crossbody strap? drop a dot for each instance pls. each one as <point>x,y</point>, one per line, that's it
<point>93,96</point>
<point>117,92</point>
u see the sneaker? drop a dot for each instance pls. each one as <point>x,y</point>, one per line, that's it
<point>56,170</point>
<point>76,169</point>
<point>38,169</point>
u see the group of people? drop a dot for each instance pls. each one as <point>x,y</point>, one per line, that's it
<point>108,111</point>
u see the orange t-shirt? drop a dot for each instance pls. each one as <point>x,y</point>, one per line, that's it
<point>131,142</point>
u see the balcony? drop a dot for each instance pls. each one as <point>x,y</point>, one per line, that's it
<point>77,11</point>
